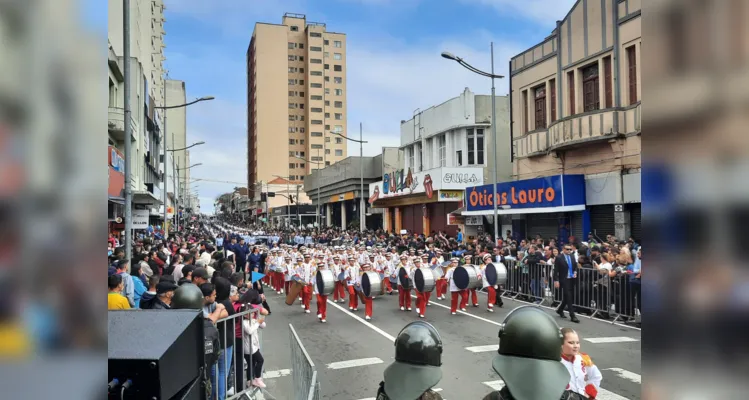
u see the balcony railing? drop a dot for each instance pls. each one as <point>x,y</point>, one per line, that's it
<point>116,123</point>
<point>579,129</point>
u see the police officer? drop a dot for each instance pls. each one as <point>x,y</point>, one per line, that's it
<point>529,358</point>
<point>416,369</point>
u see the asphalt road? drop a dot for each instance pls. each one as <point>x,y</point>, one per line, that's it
<point>351,354</point>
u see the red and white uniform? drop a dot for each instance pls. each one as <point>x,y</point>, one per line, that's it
<point>455,292</point>
<point>304,271</point>
<point>422,299</point>
<point>367,300</point>
<point>585,377</point>
<point>352,274</point>
<point>404,295</point>
<point>322,300</point>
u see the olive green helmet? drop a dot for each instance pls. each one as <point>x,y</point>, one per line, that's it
<point>188,296</point>
<point>418,358</point>
<point>529,359</point>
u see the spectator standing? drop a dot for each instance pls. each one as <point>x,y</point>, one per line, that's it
<point>128,291</point>
<point>139,284</point>
<point>164,293</point>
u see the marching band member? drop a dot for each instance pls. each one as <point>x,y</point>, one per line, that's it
<point>422,299</point>
<point>404,296</point>
<point>289,268</point>
<point>299,261</point>
<point>585,377</point>
<point>278,273</point>
<point>427,295</point>
<point>454,291</point>
<point>367,300</point>
<point>387,270</point>
<point>474,295</point>
<point>362,257</point>
<point>305,273</point>
<point>338,291</point>
<point>490,289</point>
<point>441,284</point>
<point>322,300</point>
<point>351,278</point>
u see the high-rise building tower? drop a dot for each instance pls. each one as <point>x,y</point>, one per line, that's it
<point>296,96</point>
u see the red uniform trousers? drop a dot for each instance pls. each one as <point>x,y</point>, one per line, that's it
<point>474,297</point>
<point>422,299</point>
<point>353,299</point>
<point>286,286</point>
<point>279,281</point>
<point>441,287</point>
<point>368,307</point>
<point>454,300</point>
<point>306,296</point>
<point>491,297</point>
<point>322,305</point>
<point>404,297</point>
<point>339,291</point>
<point>388,285</point>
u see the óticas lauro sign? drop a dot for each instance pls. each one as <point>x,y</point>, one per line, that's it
<point>550,191</point>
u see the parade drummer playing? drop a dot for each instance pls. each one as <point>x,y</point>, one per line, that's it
<point>404,296</point>
<point>366,267</point>
<point>322,299</point>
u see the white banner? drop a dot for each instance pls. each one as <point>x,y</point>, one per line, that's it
<point>405,182</point>
<point>140,219</point>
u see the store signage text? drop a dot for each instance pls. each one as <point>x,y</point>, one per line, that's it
<point>464,178</point>
<point>451,195</point>
<point>399,181</point>
<point>550,191</point>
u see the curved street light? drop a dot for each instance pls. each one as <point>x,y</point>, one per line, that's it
<point>362,204</point>
<point>204,98</point>
<point>451,56</point>
<point>188,147</point>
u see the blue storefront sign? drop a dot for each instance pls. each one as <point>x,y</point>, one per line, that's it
<point>546,192</point>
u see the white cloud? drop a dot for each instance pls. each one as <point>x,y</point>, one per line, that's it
<point>544,12</point>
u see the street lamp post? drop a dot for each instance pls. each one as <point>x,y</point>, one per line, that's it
<point>206,98</point>
<point>176,209</point>
<point>491,75</point>
<point>362,204</point>
<point>318,190</point>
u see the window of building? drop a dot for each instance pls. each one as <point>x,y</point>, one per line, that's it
<point>553,90</point>
<point>338,153</point>
<point>316,122</point>
<point>315,34</point>
<point>315,61</point>
<point>316,158</point>
<point>327,79</point>
<point>292,165</point>
<point>301,106</point>
<point>316,109</point>
<point>301,58</point>
<point>301,118</point>
<point>411,158</point>
<point>301,177</point>
<point>301,94</point>
<point>539,95</point>
<point>337,68</point>
<point>316,134</point>
<point>327,151</point>
<point>301,70</point>
<point>315,73</point>
<point>338,104</point>
<point>292,82</point>
<point>301,130</point>
<point>632,74</point>
<point>607,83</point>
<point>327,90</point>
<point>292,70</point>
<point>337,79</point>
<point>339,92</point>
<point>327,163</point>
<point>338,129</point>
<point>291,130</point>
<point>591,88</point>
<point>338,140</point>
<point>317,146</point>
<point>571,89</point>
<point>442,144</point>
<point>292,58</point>
<point>301,165</point>
<point>327,66</point>
<point>338,116</point>
<point>327,127</point>
<point>292,45</point>
<point>475,146</point>
<point>316,85</point>
<point>327,102</point>
<point>315,48</point>
<point>301,154</point>
<point>316,97</point>
<point>292,105</point>
<point>327,139</point>
<point>291,154</point>
<point>301,45</point>
<point>292,117</point>
<point>459,157</point>
<point>526,123</point>
<point>301,81</point>
<point>337,43</point>
<point>326,42</point>
<point>337,56</point>
<point>294,28</point>
<point>292,93</point>
<point>327,115</point>
<point>325,55</point>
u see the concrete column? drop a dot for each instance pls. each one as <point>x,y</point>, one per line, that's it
<point>425,220</point>
<point>398,223</point>
<point>343,215</point>
<point>386,220</point>
<point>622,225</point>
<point>328,215</point>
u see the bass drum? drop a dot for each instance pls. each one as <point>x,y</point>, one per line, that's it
<point>403,278</point>
<point>371,284</point>
<point>325,281</point>
<point>496,274</point>
<point>438,272</point>
<point>466,277</point>
<point>424,280</point>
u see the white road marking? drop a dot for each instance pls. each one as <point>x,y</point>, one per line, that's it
<point>617,339</point>
<point>355,363</point>
<point>495,385</point>
<point>482,349</point>
<point>630,376</point>
<point>276,374</point>
<point>356,317</point>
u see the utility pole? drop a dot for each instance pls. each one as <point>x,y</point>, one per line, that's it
<point>165,175</point>
<point>128,131</point>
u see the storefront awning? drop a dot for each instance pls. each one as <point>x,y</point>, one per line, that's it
<point>539,210</point>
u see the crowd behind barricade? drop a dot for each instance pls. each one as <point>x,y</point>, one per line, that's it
<point>601,278</point>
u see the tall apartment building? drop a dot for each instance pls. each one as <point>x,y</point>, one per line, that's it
<point>296,96</point>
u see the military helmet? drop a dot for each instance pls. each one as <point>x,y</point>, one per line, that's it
<point>418,358</point>
<point>188,296</point>
<point>529,355</point>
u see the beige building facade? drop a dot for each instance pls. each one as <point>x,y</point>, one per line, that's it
<point>576,109</point>
<point>296,99</point>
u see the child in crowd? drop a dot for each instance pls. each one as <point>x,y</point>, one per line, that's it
<point>251,342</point>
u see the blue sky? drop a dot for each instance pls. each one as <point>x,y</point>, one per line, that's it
<point>394,64</point>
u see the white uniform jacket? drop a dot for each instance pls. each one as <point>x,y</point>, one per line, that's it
<point>585,377</point>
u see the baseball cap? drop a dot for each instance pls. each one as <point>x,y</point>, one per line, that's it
<point>200,273</point>
<point>165,286</point>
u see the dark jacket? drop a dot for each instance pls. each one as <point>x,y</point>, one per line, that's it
<point>147,300</point>
<point>160,305</point>
<point>561,268</point>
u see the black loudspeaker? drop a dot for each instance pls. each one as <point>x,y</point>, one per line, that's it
<point>160,351</point>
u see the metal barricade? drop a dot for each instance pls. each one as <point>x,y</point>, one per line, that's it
<point>229,376</point>
<point>304,373</point>
<point>529,282</point>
